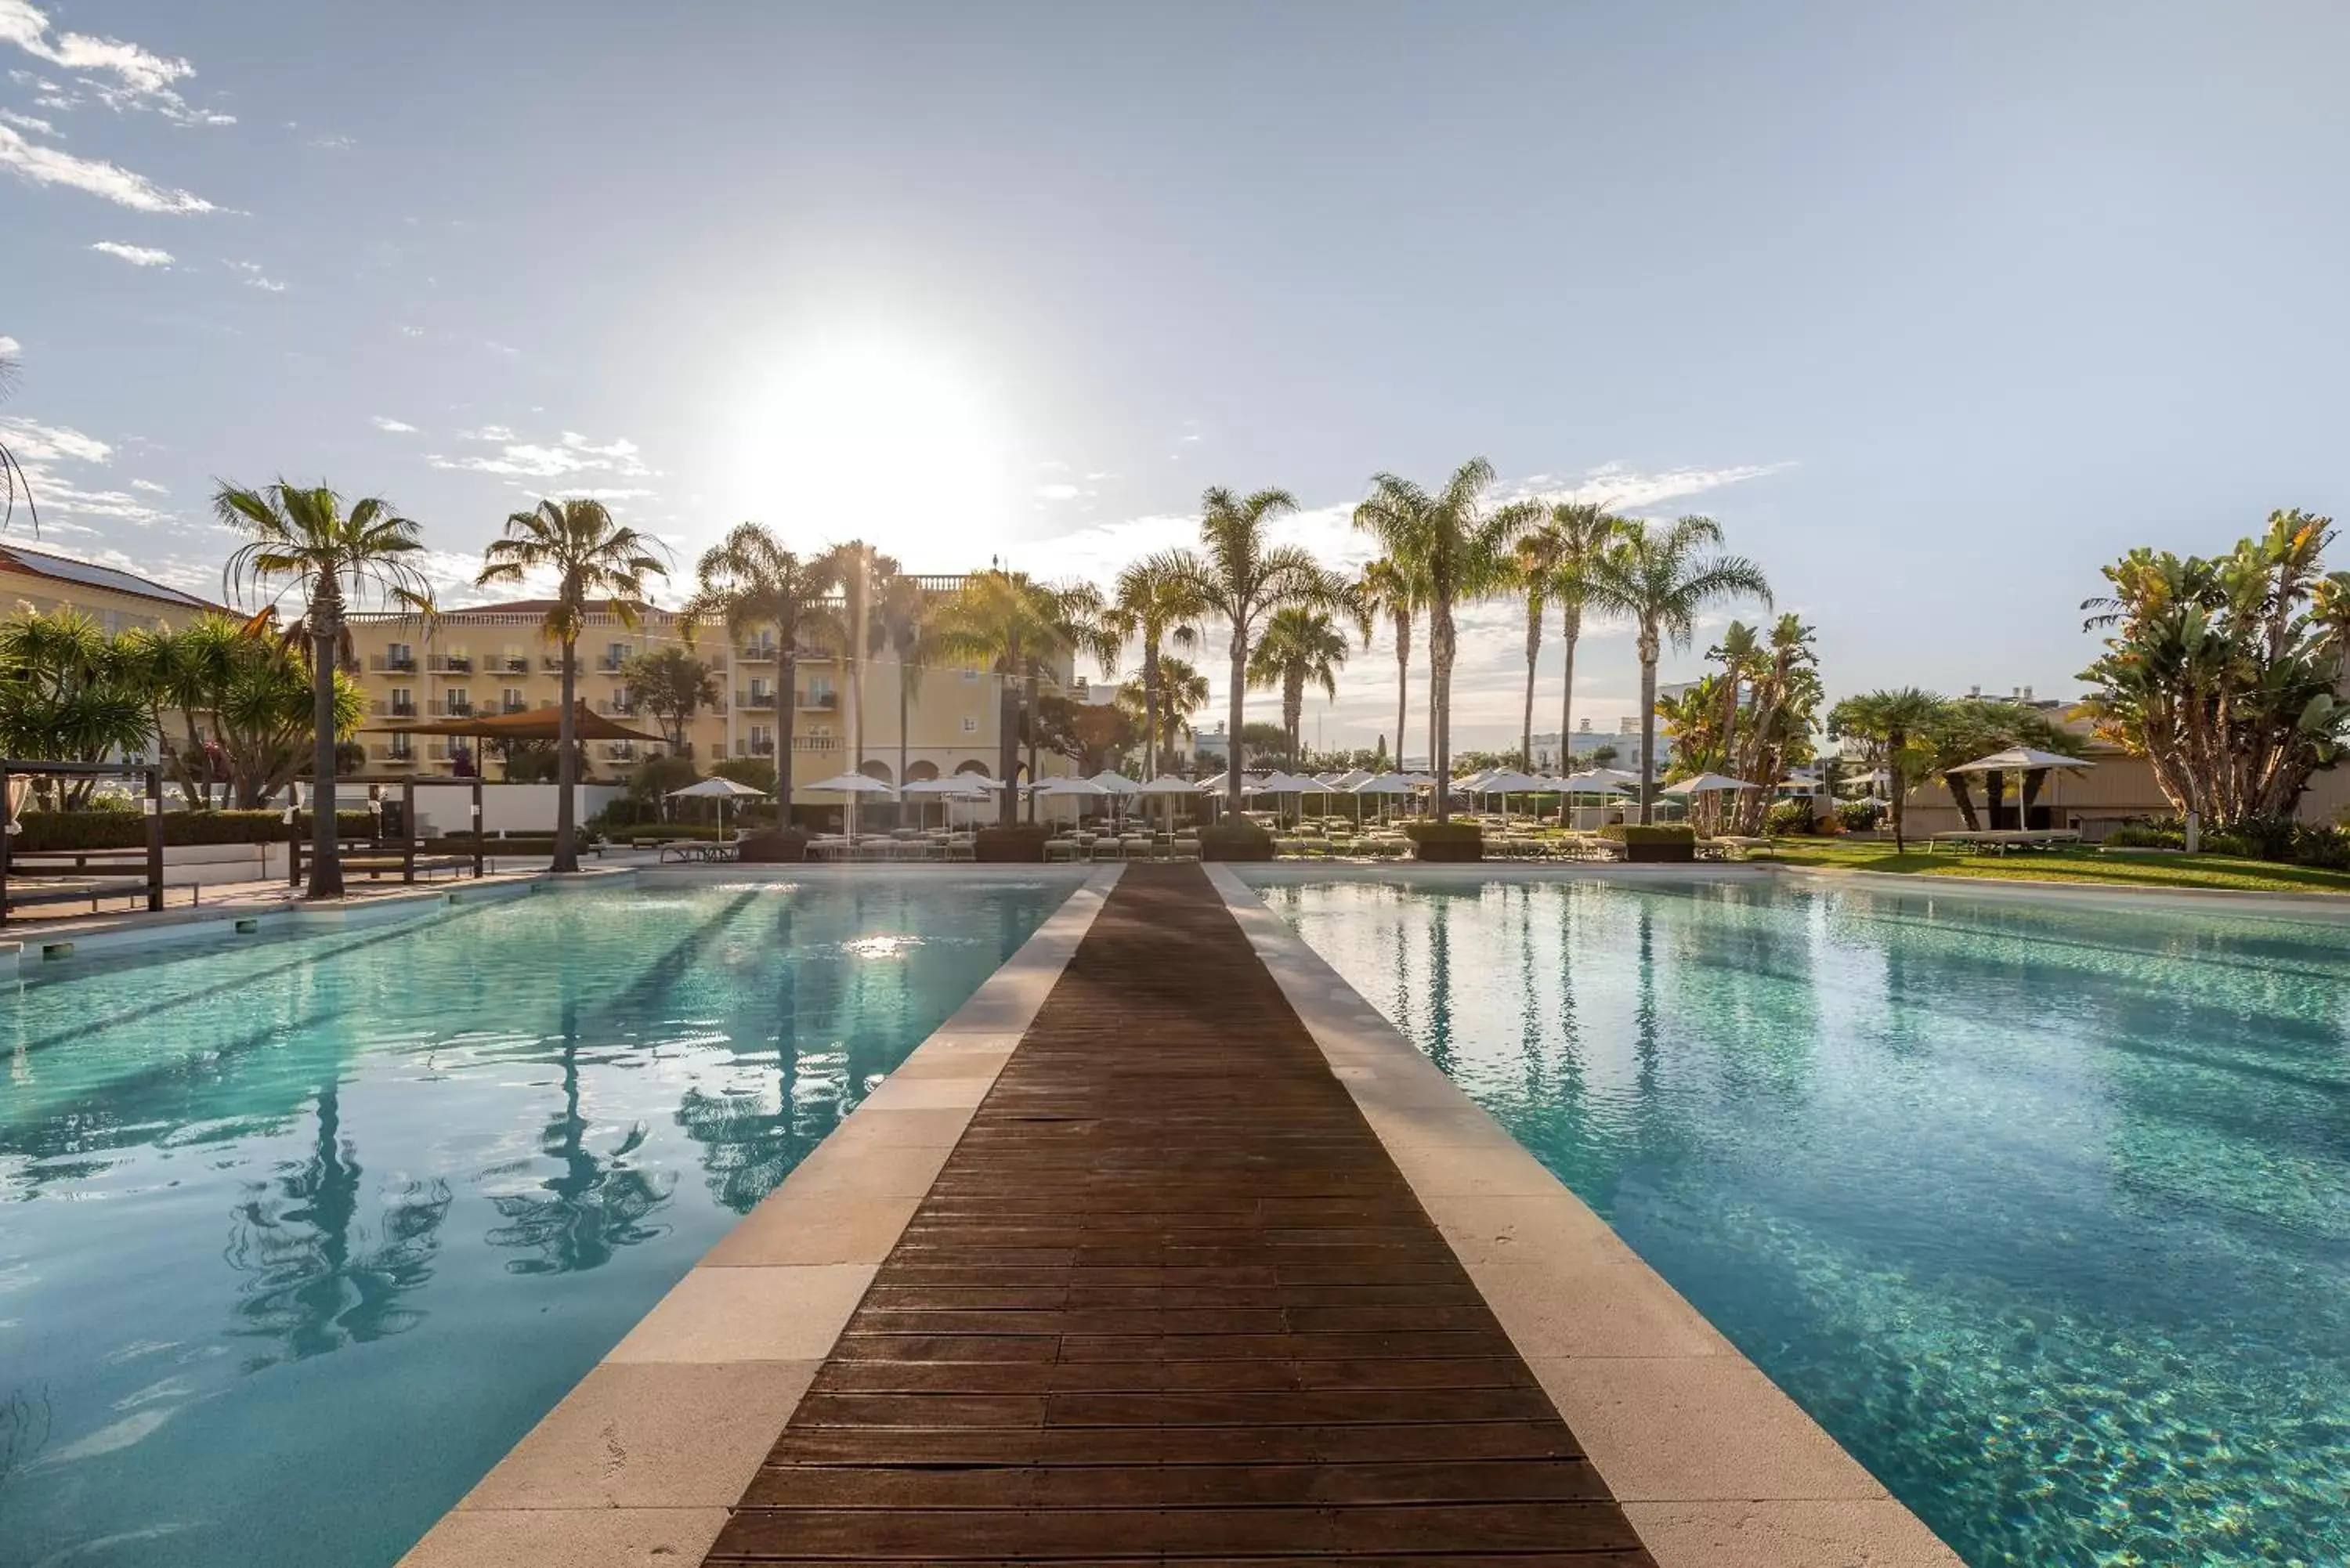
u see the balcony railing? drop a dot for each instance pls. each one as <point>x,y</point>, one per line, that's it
<point>754,748</point>
<point>552,663</point>
<point>392,664</point>
<point>756,653</point>
<point>762,700</point>
<point>513,705</point>
<point>820,701</point>
<point>611,663</point>
<point>452,663</point>
<point>453,710</point>
<point>816,742</point>
<point>384,752</point>
<point>618,706</point>
<point>508,664</point>
<point>395,709</point>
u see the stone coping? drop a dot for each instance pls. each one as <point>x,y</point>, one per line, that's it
<point>1711,1463</point>
<point>641,1461</point>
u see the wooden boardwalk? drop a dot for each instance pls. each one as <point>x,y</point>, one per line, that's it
<point>1170,1298</point>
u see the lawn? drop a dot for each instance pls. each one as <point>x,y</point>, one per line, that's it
<point>2121,868</point>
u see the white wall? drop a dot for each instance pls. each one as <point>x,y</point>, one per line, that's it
<point>506,807</point>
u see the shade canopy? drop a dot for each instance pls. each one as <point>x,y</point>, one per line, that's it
<point>530,724</point>
<point>1115,782</point>
<point>717,789</point>
<point>1708,784</point>
<point>1598,781</point>
<point>1348,779</point>
<point>966,786</point>
<point>1078,787</point>
<point>1167,783</point>
<point>853,783</point>
<point>1509,781</point>
<point>1286,784</point>
<point>2020,759</point>
<point>1384,783</point>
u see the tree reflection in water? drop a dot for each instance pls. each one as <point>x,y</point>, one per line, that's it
<point>749,1144</point>
<point>315,1284</point>
<point>594,1206</point>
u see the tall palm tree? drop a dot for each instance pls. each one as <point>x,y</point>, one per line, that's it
<point>1238,575</point>
<point>1182,691</point>
<point>1154,602</point>
<point>1659,578</point>
<point>1299,646</point>
<point>1384,588</point>
<point>1740,654</point>
<point>1018,628</point>
<point>748,581</point>
<point>596,561</point>
<point>1533,564</point>
<point>1457,546</point>
<point>855,566</point>
<point>1888,723</point>
<point>901,627</point>
<point>303,537</point>
<point>1581,532</point>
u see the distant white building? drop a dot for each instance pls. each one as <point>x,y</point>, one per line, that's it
<point>1625,739</point>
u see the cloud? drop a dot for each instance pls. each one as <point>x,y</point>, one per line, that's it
<point>250,274</point>
<point>9,345</point>
<point>47,166</point>
<point>121,76</point>
<point>1623,489</point>
<point>33,123</point>
<point>46,450</point>
<point>394,427</point>
<point>406,331</point>
<point>149,486</point>
<point>574,454</point>
<point>137,255</point>
<point>332,143</point>
<point>1057,492</point>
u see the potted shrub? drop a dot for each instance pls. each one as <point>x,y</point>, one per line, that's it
<point>1445,841</point>
<point>1022,842</point>
<point>1674,843</point>
<point>1235,841</point>
<point>774,846</point>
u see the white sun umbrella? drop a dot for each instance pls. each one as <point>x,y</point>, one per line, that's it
<point>1116,782</point>
<point>953,786</point>
<point>2021,761</point>
<point>1384,787</point>
<point>852,785</point>
<point>1348,779</point>
<point>1507,782</point>
<point>1169,787</point>
<point>721,790</point>
<point>1707,784</point>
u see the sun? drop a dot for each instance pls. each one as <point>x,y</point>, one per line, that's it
<point>878,438</point>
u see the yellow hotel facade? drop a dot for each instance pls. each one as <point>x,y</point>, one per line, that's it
<point>493,658</point>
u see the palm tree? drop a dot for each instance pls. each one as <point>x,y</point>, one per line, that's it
<point>901,627</point>
<point>1739,652</point>
<point>1534,563</point>
<point>1455,547</point>
<point>854,567</point>
<point>1154,602</point>
<point>1299,646</point>
<point>11,472</point>
<point>1239,576</point>
<point>303,536</point>
<point>1385,588</point>
<point>1890,721</point>
<point>594,560</point>
<point>1018,627</point>
<point>748,581</point>
<point>1581,532</point>
<point>1182,691</point>
<point>1657,578</point>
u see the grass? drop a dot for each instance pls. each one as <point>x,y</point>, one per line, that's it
<point>2115,868</point>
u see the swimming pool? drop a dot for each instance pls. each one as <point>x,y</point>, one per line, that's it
<point>299,1234</point>
<point>2043,1211</point>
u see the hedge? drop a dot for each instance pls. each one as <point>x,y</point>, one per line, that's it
<point>1235,841</point>
<point>1445,841</point>
<point>1022,842</point>
<point>67,830</point>
<point>1661,833</point>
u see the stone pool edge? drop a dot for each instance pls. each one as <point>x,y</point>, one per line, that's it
<point>1710,1460</point>
<point>647,1453</point>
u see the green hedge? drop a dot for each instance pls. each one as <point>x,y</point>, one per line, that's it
<point>1235,841</point>
<point>660,832</point>
<point>1444,831</point>
<point>1662,833</point>
<point>128,829</point>
<point>1020,843</point>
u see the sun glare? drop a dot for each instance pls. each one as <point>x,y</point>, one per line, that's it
<point>875,439</point>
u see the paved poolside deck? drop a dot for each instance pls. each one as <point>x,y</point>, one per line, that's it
<point>1167,1246</point>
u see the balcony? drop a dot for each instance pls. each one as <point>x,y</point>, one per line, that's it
<point>756,653</point>
<point>513,705</point>
<point>395,709</point>
<point>391,663</point>
<point>819,701</point>
<point>754,748</point>
<point>618,707</point>
<point>552,663</point>
<point>758,702</point>
<point>816,742</point>
<point>611,664</point>
<point>396,755</point>
<point>453,710</point>
<point>452,663</point>
<point>508,664</point>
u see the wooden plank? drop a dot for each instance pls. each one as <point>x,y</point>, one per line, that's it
<point>1170,1298</point>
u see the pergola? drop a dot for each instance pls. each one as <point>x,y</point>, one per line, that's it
<point>528,724</point>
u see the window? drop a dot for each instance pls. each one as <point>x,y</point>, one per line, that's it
<point>399,656</point>
<point>403,702</point>
<point>457,699</point>
<point>510,698</point>
<point>970,725</point>
<point>402,748</point>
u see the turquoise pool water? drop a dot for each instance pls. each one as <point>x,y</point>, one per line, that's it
<point>2043,1213</point>
<point>299,1236</point>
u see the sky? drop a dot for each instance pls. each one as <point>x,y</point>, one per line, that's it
<point>1936,309</point>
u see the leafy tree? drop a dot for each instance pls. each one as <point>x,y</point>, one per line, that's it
<point>748,581</point>
<point>1182,691</point>
<point>1261,745</point>
<point>1018,627</point>
<point>1892,725</point>
<point>1603,754</point>
<point>184,671</point>
<point>1091,734</point>
<point>1155,602</point>
<point>901,627</point>
<point>1659,578</point>
<point>1239,576</point>
<point>1299,646</point>
<point>303,537</point>
<point>672,685</point>
<point>2225,674</point>
<point>1454,545</point>
<point>1971,728</point>
<point>756,772</point>
<point>67,694</point>
<point>596,561</point>
<point>1384,588</point>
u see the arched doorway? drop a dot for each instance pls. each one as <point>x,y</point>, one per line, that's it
<point>916,772</point>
